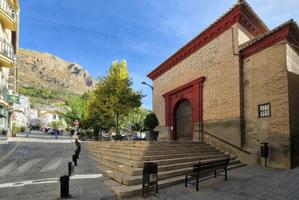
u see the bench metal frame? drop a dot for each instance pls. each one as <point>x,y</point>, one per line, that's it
<point>199,170</point>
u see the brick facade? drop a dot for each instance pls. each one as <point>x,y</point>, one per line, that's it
<point>241,70</point>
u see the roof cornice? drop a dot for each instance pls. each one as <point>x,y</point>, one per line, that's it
<point>241,12</point>
<point>287,31</point>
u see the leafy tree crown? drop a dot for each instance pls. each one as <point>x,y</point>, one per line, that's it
<point>151,121</point>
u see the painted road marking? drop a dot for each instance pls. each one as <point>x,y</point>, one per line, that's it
<point>3,158</point>
<point>7,168</point>
<point>24,139</point>
<point>23,183</point>
<point>24,167</point>
<point>52,165</point>
<point>48,180</point>
<point>86,176</point>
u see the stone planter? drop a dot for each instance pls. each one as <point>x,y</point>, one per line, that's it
<point>151,135</point>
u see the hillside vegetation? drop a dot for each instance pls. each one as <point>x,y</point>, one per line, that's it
<point>45,95</point>
<point>48,79</point>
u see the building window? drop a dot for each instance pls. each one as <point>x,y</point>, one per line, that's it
<point>264,110</point>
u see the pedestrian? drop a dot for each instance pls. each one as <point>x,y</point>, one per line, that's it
<point>72,132</point>
<point>28,132</point>
<point>56,134</point>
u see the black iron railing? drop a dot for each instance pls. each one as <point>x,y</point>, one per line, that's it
<point>4,5</point>
<point>6,49</point>
<point>225,142</point>
<point>3,91</point>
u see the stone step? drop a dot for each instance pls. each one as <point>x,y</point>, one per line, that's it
<point>162,155</point>
<point>123,161</point>
<point>159,159</point>
<point>146,143</point>
<point>151,152</point>
<point>149,156</point>
<point>124,191</point>
<point>154,152</point>
<point>161,163</point>
<point>137,164</point>
<point>132,171</point>
<point>126,179</point>
<point>150,148</point>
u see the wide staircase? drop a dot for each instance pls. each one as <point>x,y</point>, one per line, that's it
<point>123,161</point>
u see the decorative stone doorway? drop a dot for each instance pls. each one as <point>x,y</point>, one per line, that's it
<point>191,92</point>
<point>183,120</point>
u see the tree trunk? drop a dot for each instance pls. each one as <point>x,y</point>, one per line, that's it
<point>117,119</point>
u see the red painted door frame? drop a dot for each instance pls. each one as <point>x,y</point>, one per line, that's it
<point>193,92</point>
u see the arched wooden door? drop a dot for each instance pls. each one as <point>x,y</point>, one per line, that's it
<point>183,120</point>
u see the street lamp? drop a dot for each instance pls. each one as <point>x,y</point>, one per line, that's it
<point>145,83</point>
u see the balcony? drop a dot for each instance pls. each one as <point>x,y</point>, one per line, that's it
<point>3,95</point>
<point>7,54</point>
<point>7,15</point>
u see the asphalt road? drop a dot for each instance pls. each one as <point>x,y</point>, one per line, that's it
<point>30,168</point>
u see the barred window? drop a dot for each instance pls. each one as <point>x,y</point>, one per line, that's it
<point>264,110</point>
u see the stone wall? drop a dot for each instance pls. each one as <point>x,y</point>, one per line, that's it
<point>218,61</point>
<point>293,83</point>
<point>265,81</point>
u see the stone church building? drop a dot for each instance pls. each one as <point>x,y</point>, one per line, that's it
<point>234,86</point>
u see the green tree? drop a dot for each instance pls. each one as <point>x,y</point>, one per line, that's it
<point>56,124</point>
<point>75,108</point>
<point>114,97</point>
<point>96,115</point>
<point>134,119</point>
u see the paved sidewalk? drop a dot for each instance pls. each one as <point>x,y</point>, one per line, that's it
<point>3,139</point>
<point>90,188</point>
<point>246,183</point>
<point>31,161</point>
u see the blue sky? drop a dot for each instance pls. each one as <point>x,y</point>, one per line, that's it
<point>93,33</point>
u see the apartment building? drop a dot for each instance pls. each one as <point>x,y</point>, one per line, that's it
<point>9,35</point>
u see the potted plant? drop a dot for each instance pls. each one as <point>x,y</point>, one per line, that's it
<point>150,123</point>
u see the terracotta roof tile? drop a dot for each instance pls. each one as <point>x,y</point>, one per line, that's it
<point>253,13</point>
<point>239,2</point>
<point>260,37</point>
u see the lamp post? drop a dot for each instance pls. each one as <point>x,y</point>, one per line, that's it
<point>145,83</point>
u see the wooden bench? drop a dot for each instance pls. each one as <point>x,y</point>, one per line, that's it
<point>207,169</point>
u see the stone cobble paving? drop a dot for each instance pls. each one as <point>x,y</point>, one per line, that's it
<point>245,183</point>
<point>33,160</point>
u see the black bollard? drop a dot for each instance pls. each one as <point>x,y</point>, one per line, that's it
<point>70,168</point>
<point>79,148</point>
<point>77,153</point>
<point>76,142</point>
<point>75,160</point>
<point>64,186</point>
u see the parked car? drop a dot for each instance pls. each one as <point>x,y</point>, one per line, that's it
<point>53,131</point>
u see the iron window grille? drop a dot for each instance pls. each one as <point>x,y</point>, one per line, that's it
<point>6,49</point>
<point>264,110</point>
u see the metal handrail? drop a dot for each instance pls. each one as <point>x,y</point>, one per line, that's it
<point>232,145</point>
<point>7,49</point>
<point>4,5</point>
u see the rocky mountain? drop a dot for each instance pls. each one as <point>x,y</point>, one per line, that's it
<point>43,70</point>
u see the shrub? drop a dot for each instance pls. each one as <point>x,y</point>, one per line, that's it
<point>23,129</point>
<point>15,129</point>
<point>150,121</point>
